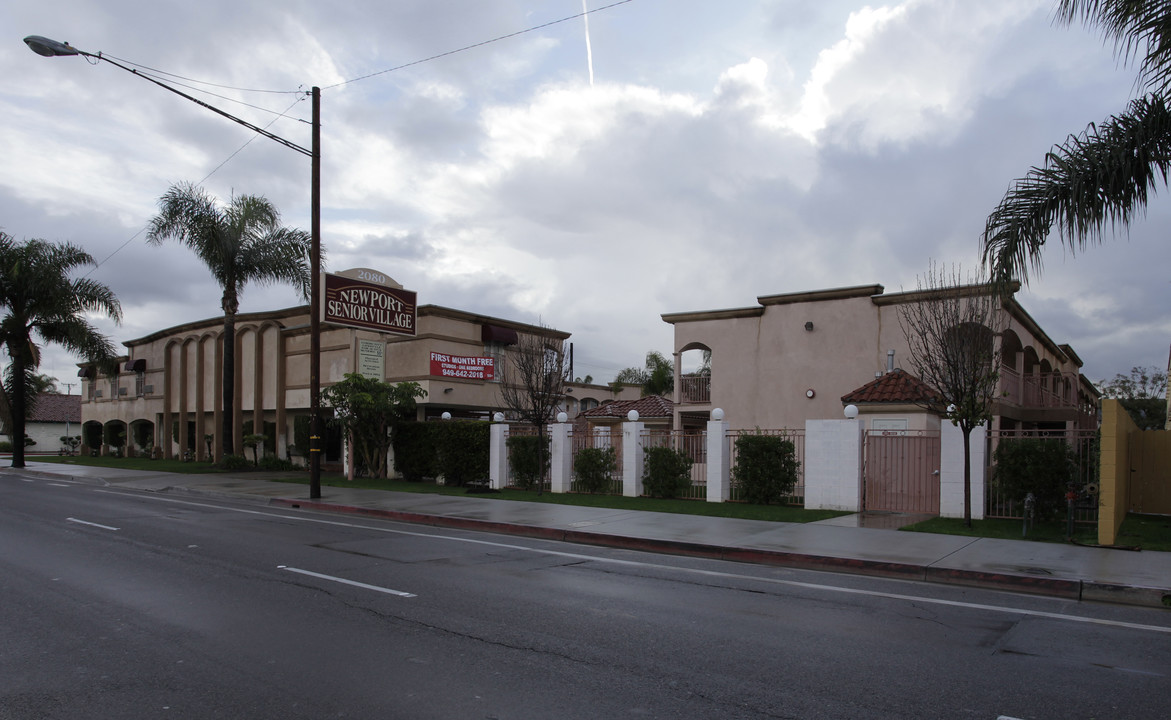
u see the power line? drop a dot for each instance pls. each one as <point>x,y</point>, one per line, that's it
<point>479,44</point>
<point>214,170</point>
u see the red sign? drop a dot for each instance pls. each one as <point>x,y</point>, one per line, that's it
<point>455,366</point>
<point>366,305</point>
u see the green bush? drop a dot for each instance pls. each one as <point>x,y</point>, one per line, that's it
<point>1043,466</point>
<point>235,462</point>
<point>525,461</point>
<point>5,446</point>
<point>274,464</point>
<point>461,449</point>
<point>415,455</point>
<point>667,473</point>
<point>594,468</point>
<point>766,468</point>
<point>301,435</point>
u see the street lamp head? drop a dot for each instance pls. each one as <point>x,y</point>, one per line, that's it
<point>49,48</point>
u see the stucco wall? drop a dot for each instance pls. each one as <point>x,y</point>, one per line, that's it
<point>1114,479</point>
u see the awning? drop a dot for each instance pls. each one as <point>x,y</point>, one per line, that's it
<point>136,365</point>
<point>498,335</point>
<point>87,372</point>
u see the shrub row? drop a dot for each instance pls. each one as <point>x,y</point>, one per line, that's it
<point>455,450</point>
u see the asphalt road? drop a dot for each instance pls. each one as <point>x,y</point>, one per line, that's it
<point>132,605</point>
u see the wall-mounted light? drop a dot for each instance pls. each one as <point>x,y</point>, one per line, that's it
<point>447,390</point>
<point>809,326</point>
<point>809,393</point>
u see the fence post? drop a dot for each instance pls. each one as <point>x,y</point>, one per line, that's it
<point>951,470</point>
<point>632,455</point>
<point>498,452</point>
<point>833,465</point>
<point>561,447</point>
<point>718,458</point>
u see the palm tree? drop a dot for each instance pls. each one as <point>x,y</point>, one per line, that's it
<point>240,243</point>
<point>658,378</point>
<point>1103,176</point>
<point>42,303</point>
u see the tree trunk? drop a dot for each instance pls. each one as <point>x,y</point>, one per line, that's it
<point>18,409</point>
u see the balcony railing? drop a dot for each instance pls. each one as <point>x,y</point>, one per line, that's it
<point>1046,391</point>
<point>696,389</point>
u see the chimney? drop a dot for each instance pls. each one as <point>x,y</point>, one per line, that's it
<point>890,360</point>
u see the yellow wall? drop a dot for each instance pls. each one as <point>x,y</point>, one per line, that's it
<point>1115,476</point>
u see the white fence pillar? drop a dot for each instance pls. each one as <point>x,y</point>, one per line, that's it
<point>951,471</point>
<point>833,465</point>
<point>561,463</point>
<point>498,454</point>
<point>719,456</point>
<point>632,457</point>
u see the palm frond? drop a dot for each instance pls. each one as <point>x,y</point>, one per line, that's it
<point>1138,28</point>
<point>1097,180</point>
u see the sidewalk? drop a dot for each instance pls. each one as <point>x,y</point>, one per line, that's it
<point>1069,571</point>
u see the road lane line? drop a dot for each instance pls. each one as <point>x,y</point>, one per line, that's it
<point>343,581</point>
<point>91,524</point>
<point>692,571</point>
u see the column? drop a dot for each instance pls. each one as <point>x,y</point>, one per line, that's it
<point>561,467</point>
<point>632,456</point>
<point>719,457</point>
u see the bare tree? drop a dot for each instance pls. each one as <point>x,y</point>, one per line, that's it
<point>950,325</point>
<point>533,381</point>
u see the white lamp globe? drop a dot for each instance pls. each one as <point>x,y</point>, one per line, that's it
<point>718,414</point>
<point>851,412</point>
<point>498,417</point>
<point>446,416</point>
<point>562,417</point>
<point>632,416</point>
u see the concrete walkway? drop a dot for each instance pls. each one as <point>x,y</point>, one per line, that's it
<point>839,545</point>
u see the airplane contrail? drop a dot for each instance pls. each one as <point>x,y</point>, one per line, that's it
<point>589,51</point>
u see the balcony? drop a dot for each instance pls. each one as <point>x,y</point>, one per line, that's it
<point>695,390</point>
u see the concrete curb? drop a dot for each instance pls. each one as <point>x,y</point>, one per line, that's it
<point>1052,587</point>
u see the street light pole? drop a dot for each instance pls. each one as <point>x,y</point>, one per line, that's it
<point>315,308</point>
<point>51,48</point>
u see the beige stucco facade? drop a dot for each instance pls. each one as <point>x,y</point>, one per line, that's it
<point>171,378</point>
<point>792,357</point>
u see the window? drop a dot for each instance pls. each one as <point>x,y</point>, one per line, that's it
<point>140,383</point>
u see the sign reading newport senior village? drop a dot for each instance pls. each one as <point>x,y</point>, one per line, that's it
<point>362,304</point>
<point>458,366</point>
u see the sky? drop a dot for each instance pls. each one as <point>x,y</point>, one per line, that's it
<point>657,156</point>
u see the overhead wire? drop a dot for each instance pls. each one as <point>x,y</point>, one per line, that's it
<point>479,44</point>
<point>156,75</point>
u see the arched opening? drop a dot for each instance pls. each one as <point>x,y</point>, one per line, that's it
<point>142,439</point>
<point>114,438</point>
<point>695,374</point>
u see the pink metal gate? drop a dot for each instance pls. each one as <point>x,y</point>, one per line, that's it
<point>901,471</point>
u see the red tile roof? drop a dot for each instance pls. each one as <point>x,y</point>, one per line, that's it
<point>896,387</point>
<point>647,407</point>
<point>51,407</point>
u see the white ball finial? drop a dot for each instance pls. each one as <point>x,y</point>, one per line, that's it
<point>632,416</point>
<point>851,412</point>
<point>562,417</point>
<point>718,414</point>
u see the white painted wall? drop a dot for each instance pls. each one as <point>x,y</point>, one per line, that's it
<point>833,465</point>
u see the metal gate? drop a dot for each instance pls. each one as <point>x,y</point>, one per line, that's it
<point>901,471</point>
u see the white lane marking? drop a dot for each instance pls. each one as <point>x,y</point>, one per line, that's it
<point>693,571</point>
<point>343,581</point>
<point>91,524</point>
<point>56,484</point>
